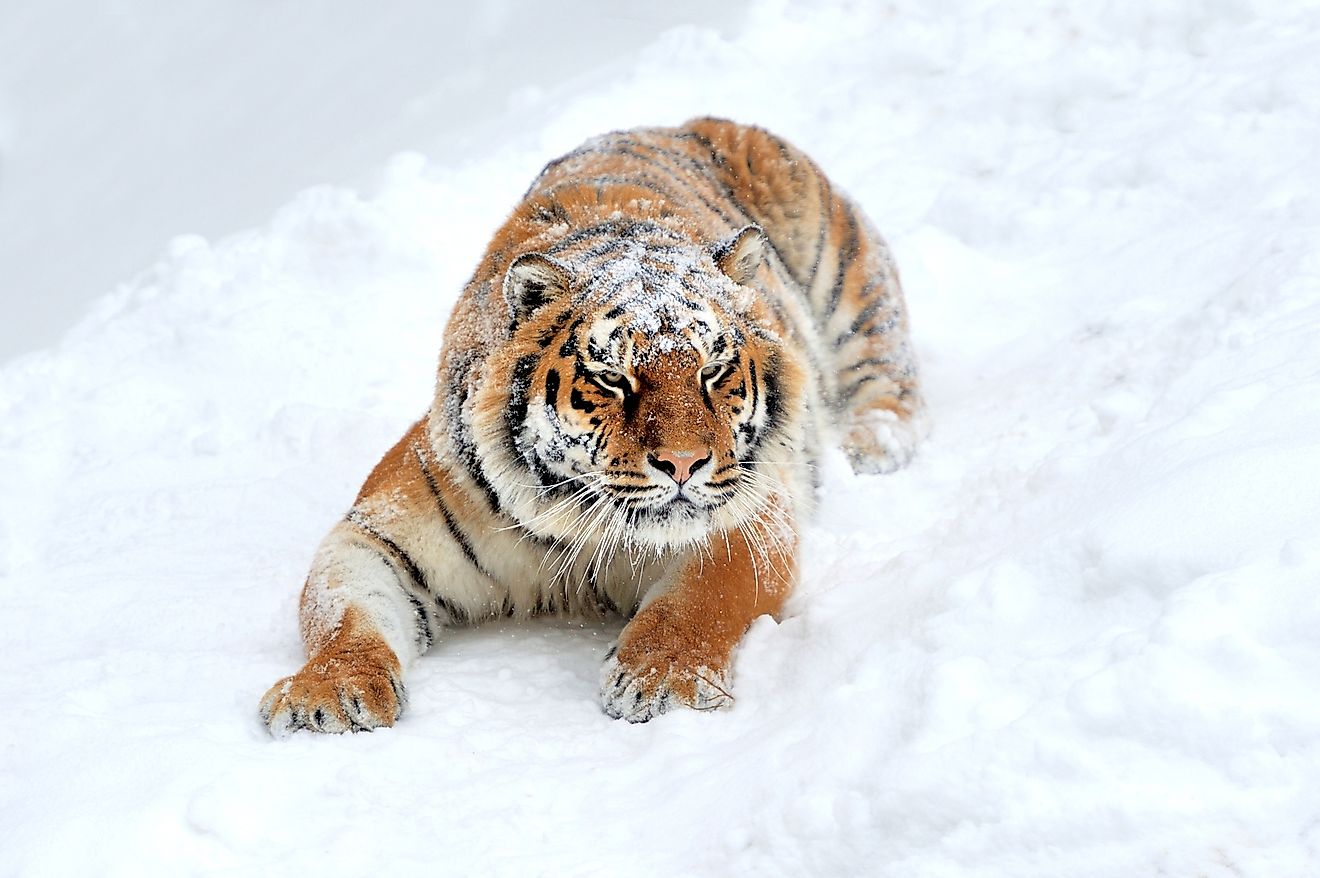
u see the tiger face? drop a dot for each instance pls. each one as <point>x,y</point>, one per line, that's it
<point>647,393</point>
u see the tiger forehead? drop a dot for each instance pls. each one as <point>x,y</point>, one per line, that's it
<point>634,338</point>
<point>652,298</point>
<point>669,368</point>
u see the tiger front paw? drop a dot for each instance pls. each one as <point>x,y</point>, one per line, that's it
<point>342,692</point>
<point>638,684</point>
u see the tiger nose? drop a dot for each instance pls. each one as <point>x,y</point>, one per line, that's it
<point>679,465</point>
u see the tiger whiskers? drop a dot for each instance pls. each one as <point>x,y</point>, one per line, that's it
<point>585,526</point>
<point>559,505</point>
<point>606,549</point>
<point>540,489</point>
<point>764,523</point>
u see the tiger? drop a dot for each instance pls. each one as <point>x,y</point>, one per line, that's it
<point>633,395</point>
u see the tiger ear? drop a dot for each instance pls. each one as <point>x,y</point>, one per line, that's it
<point>740,255</point>
<point>532,280</point>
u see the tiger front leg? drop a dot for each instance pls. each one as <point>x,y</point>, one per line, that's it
<point>677,650</point>
<point>359,624</point>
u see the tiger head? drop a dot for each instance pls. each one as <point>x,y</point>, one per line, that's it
<point>643,389</point>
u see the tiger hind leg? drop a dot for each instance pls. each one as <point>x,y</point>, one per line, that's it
<point>884,437</point>
<point>877,394</point>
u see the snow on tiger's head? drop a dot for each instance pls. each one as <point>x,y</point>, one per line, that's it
<point>642,384</point>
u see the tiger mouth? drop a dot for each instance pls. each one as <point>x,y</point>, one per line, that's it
<point>652,497</point>
<point>678,506</point>
<point>655,507</point>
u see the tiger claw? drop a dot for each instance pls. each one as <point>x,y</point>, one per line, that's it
<point>333,696</point>
<point>642,691</point>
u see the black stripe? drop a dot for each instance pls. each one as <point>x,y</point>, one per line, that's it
<point>461,432</point>
<point>847,254</point>
<point>623,236</point>
<point>773,405</point>
<point>425,638</point>
<point>599,230</point>
<point>684,163</point>
<point>694,168</point>
<point>580,402</point>
<point>570,346</point>
<point>606,599</point>
<point>633,489</point>
<point>826,198</point>
<point>550,166</point>
<point>756,389</point>
<point>880,328</point>
<point>852,389</point>
<point>859,321</point>
<point>598,445</point>
<point>450,524</point>
<point>414,572</point>
<point>515,411</point>
<point>550,213</point>
<point>552,388</point>
<point>551,332</point>
<point>868,362</point>
<point>394,557</point>
<point>467,456</point>
<point>614,241</point>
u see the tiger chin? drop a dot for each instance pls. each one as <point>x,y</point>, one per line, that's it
<point>632,395</point>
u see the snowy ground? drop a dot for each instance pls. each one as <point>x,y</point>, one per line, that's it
<point>1078,637</point>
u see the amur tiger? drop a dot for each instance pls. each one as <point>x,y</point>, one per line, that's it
<point>631,399</point>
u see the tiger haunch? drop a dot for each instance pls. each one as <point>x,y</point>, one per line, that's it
<point>632,393</point>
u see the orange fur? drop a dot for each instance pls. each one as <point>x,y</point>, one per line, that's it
<point>687,636</point>
<point>351,682</point>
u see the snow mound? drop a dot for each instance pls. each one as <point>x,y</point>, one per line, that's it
<point>1076,637</point>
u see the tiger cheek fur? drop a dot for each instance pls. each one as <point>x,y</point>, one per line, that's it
<point>631,399</point>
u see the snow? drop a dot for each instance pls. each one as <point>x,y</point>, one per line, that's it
<point>1077,636</point>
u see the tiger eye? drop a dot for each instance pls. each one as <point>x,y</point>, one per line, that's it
<point>613,379</point>
<point>713,371</point>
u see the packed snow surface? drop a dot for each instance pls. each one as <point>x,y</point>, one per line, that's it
<point>1078,636</point>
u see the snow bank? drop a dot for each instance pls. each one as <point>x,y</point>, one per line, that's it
<point>1077,637</point>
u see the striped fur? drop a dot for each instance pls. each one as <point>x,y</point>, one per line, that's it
<point>631,397</point>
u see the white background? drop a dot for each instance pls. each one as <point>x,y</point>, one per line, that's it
<point>1077,636</point>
